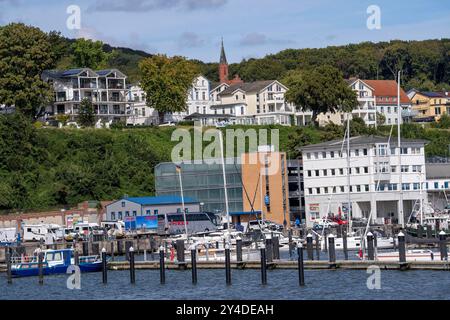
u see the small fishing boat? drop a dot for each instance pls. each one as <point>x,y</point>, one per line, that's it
<point>54,262</point>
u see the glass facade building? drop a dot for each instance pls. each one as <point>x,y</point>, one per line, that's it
<point>203,182</point>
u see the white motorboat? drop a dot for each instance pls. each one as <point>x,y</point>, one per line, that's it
<point>411,255</point>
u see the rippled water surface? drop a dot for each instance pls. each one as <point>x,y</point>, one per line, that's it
<point>246,284</point>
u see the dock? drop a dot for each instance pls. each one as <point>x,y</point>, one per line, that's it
<point>289,265</point>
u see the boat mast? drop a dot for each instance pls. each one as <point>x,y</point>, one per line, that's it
<point>349,203</point>
<point>182,202</point>
<point>227,211</point>
<point>421,199</point>
<point>401,217</point>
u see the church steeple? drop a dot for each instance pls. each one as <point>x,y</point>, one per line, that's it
<point>223,66</point>
<point>223,57</point>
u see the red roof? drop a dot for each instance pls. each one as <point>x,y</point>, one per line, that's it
<point>387,88</point>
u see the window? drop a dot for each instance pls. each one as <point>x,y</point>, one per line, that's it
<point>113,216</point>
<point>318,190</point>
<point>127,213</point>
<point>134,213</point>
<point>309,173</point>
<point>325,190</point>
<point>416,168</point>
<point>358,188</point>
<point>416,186</point>
<point>149,212</point>
<point>365,152</point>
<point>366,169</point>
<point>332,154</point>
<point>156,212</point>
<point>308,156</point>
<point>324,155</point>
<point>358,170</point>
<point>406,186</point>
<point>325,172</point>
<point>341,171</point>
<point>436,185</point>
<point>120,217</point>
<point>404,151</point>
<point>333,172</point>
<point>317,173</point>
<point>393,169</point>
<point>367,188</point>
<point>405,169</point>
<point>310,191</point>
<point>123,204</point>
<point>342,189</point>
<point>357,153</point>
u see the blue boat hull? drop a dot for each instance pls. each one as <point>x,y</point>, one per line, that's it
<point>62,269</point>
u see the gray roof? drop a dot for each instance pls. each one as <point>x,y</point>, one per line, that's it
<point>247,87</point>
<point>362,141</point>
<point>438,170</point>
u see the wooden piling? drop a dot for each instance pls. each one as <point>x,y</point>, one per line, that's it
<point>41,267</point>
<point>402,248</point>
<point>309,247</point>
<point>301,268</point>
<point>238,249</point>
<point>194,265</point>
<point>344,244</point>
<point>269,249</point>
<point>227,264</point>
<point>332,251</point>
<point>162,271</point>
<point>276,248</point>
<point>443,246</point>
<point>8,264</point>
<point>104,267</point>
<point>370,247</point>
<point>132,267</point>
<point>263,265</point>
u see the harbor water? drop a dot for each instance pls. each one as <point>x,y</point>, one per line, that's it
<point>246,284</point>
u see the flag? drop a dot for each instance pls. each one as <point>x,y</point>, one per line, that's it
<point>178,168</point>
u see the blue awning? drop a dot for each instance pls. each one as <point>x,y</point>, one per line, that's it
<point>245,213</point>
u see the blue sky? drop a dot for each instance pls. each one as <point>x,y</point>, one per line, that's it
<point>251,28</point>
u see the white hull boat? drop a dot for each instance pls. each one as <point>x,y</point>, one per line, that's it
<point>411,255</point>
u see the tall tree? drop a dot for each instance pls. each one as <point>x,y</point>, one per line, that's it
<point>320,90</point>
<point>86,116</point>
<point>89,54</point>
<point>166,82</point>
<point>24,53</point>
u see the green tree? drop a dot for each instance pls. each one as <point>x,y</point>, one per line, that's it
<point>89,54</point>
<point>166,82</point>
<point>86,116</point>
<point>320,90</point>
<point>381,119</point>
<point>24,53</point>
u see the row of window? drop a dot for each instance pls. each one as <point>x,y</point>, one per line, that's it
<point>381,167</point>
<point>363,188</point>
<point>380,150</point>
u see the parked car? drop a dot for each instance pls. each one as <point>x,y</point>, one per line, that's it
<point>266,224</point>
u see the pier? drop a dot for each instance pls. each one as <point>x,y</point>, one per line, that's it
<point>290,265</point>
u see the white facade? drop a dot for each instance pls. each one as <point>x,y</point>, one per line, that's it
<point>374,178</point>
<point>140,113</point>
<point>106,89</point>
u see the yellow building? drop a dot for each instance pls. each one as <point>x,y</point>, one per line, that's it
<point>265,178</point>
<point>430,106</point>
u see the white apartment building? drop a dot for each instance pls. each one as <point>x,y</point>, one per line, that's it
<point>377,178</point>
<point>259,102</point>
<point>374,97</point>
<point>105,88</point>
<point>140,113</point>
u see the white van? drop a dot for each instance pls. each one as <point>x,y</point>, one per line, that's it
<point>85,229</point>
<point>114,228</point>
<point>38,232</point>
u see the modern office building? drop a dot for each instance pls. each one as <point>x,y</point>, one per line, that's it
<point>148,206</point>
<point>376,183</point>
<point>106,89</point>
<point>256,183</point>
